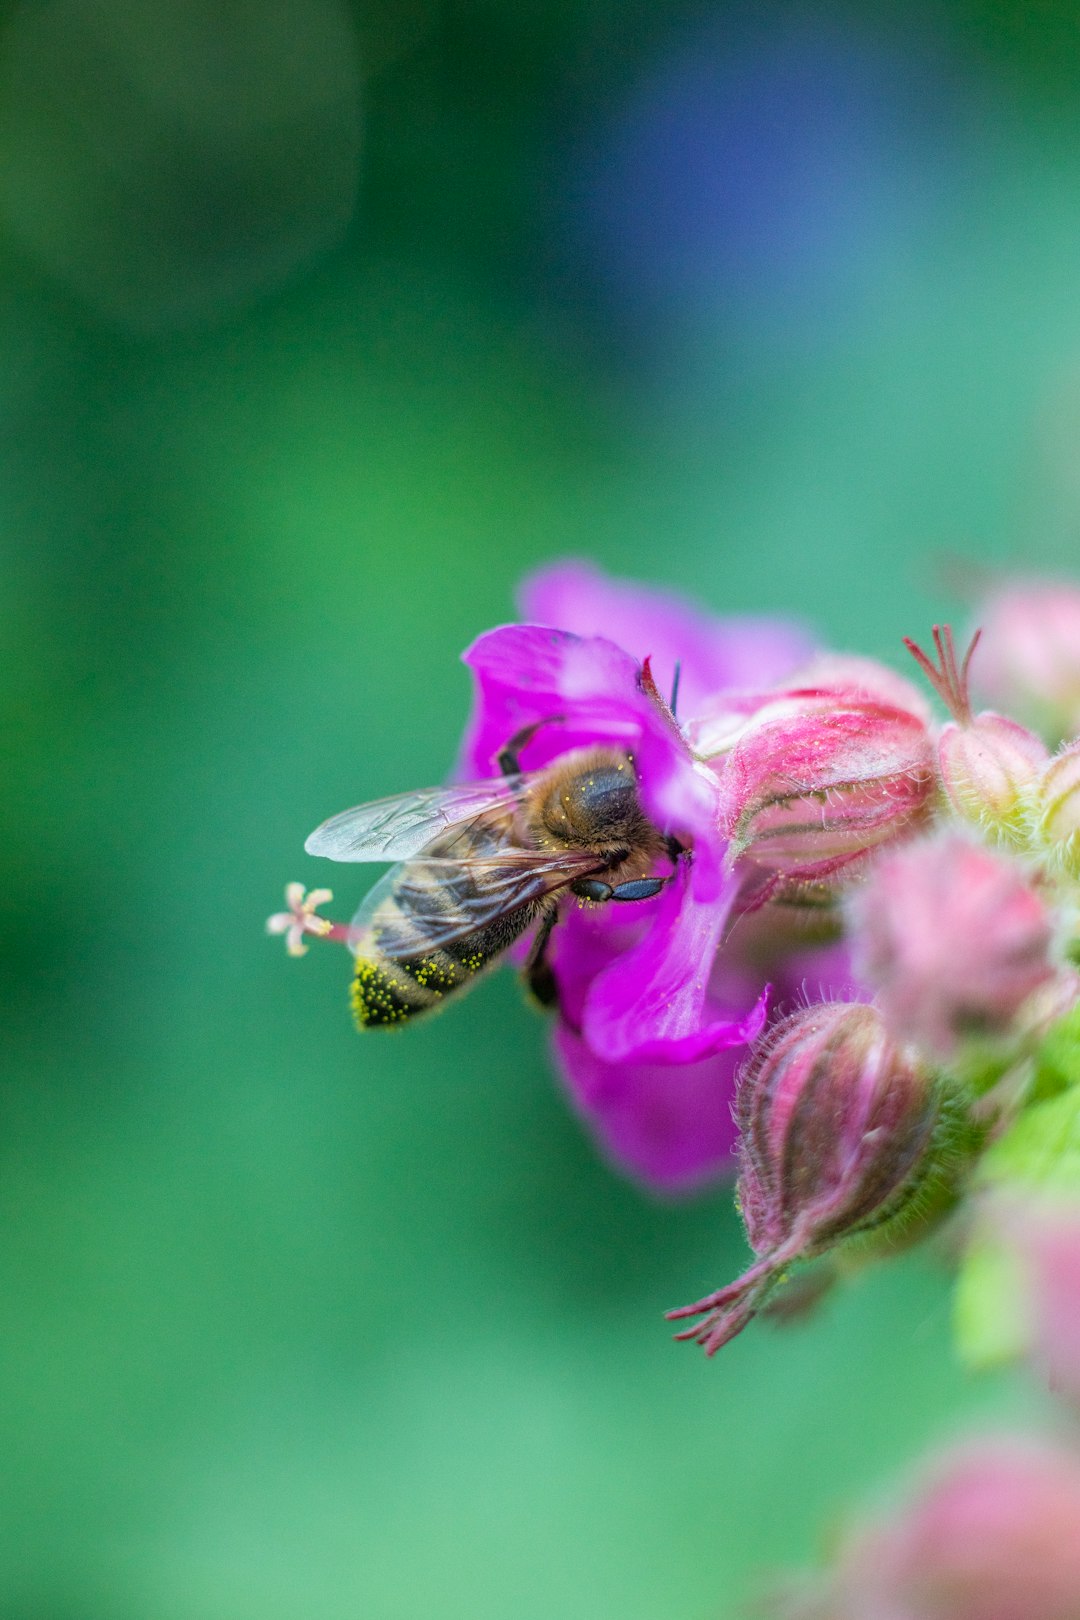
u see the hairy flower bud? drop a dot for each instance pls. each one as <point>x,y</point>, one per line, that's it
<point>993,1533</point>
<point>989,764</point>
<point>1031,663</point>
<point>988,768</point>
<point>847,676</point>
<point>830,678</point>
<point>1057,808</point>
<point>841,1131</point>
<point>817,780</point>
<point>954,937</point>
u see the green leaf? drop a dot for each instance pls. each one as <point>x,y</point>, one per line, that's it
<point>1040,1150</point>
<point>989,1318</point>
<point>1057,1066</point>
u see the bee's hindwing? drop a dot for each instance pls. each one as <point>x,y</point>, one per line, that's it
<point>432,925</point>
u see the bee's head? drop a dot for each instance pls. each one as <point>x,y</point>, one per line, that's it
<point>594,802</point>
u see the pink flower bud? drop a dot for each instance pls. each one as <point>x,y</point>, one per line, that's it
<point>954,937</point>
<point>989,764</point>
<point>1057,808</point>
<point>846,675</point>
<point>840,1131</point>
<point>1031,663</point>
<point>817,780</point>
<point>1041,1238</point>
<point>992,1533</point>
<point>988,768</point>
<point>721,722</point>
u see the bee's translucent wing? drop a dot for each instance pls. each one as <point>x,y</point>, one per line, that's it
<point>395,828</point>
<point>372,903</point>
<point>427,903</point>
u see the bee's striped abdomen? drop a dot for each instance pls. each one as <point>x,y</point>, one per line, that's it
<point>399,973</point>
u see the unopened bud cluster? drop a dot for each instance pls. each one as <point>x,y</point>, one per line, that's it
<point>950,855</point>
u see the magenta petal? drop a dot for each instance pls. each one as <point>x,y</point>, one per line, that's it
<point>714,653</point>
<point>525,673</point>
<point>684,798</point>
<point>652,1004</point>
<point>588,940</point>
<point>669,1127</point>
<point>542,664</point>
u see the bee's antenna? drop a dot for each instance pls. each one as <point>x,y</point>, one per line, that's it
<point>675,686</point>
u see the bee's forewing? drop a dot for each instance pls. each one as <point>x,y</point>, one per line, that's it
<point>394,829</point>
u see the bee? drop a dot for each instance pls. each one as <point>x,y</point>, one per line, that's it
<point>480,864</point>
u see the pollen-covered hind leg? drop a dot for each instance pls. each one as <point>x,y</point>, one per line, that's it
<point>380,996</point>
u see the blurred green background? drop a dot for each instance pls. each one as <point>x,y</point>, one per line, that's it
<point>322,322</point>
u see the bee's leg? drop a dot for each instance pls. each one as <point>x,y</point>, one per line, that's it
<point>507,759</point>
<point>538,973</point>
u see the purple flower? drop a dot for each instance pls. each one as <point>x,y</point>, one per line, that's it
<point>669,1125</point>
<point>650,1026</point>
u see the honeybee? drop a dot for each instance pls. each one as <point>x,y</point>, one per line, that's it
<point>480,864</point>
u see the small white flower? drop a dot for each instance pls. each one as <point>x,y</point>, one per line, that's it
<point>301,918</point>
